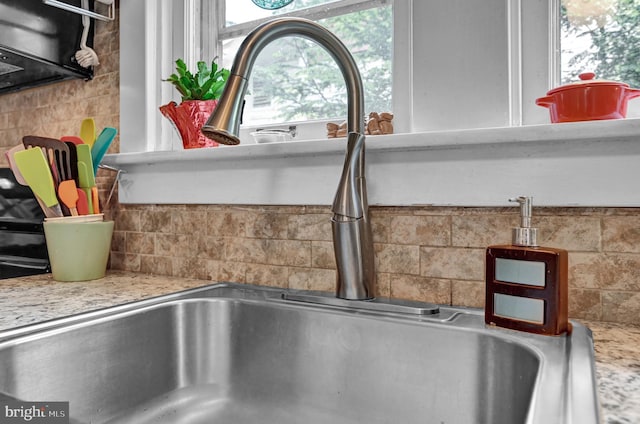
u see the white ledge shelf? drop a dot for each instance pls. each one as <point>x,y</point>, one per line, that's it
<point>577,164</point>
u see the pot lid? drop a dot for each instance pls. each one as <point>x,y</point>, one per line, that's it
<point>587,80</point>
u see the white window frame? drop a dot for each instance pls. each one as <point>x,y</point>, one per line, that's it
<point>580,164</point>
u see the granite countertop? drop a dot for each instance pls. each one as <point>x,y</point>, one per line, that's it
<point>28,300</point>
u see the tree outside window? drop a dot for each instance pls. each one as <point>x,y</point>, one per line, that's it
<point>602,36</point>
<point>296,80</point>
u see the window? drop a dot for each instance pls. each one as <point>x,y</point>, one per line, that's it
<point>444,65</point>
<point>295,79</point>
<point>602,36</point>
<point>457,65</point>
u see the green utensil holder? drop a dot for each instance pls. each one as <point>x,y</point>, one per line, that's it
<point>78,251</point>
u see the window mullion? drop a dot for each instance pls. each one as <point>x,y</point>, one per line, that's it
<point>514,14</point>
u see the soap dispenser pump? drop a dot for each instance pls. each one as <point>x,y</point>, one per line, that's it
<point>527,285</point>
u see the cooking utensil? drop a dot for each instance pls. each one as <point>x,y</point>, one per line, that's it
<point>73,160</point>
<point>34,168</point>
<point>83,177</point>
<point>17,174</point>
<point>88,131</point>
<point>588,99</point>
<point>101,146</point>
<point>86,177</point>
<point>82,204</point>
<point>12,163</point>
<point>86,56</point>
<point>57,153</point>
<point>72,138</point>
<point>68,194</point>
<point>84,157</point>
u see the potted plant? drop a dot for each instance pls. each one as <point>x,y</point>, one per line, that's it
<point>200,94</point>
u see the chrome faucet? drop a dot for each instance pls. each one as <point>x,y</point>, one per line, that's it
<point>352,238</point>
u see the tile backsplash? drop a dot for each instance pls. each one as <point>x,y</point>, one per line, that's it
<point>433,254</point>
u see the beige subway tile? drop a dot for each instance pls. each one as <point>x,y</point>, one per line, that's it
<point>267,275</point>
<point>421,230</point>
<point>322,255</point>
<point>383,285</point>
<point>226,271</point>
<point>246,250</point>
<point>585,304</point>
<point>312,279</point>
<point>210,247</point>
<point>267,225</point>
<point>189,222</point>
<point>125,261</point>
<point>128,220</point>
<point>228,223</point>
<point>310,227</point>
<point>116,261</point>
<point>585,270</point>
<point>452,262</point>
<point>156,220</point>
<point>140,243</point>
<point>287,252</point>
<point>380,227</point>
<point>421,289</point>
<point>482,230</point>
<point>271,252</point>
<point>156,265</point>
<point>173,245</point>
<point>118,241</point>
<point>190,267</point>
<point>622,307</point>
<point>610,271</point>
<point>575,233</point>
<point>398,259</point>
<point>468,293</point>
<point>621,234</point>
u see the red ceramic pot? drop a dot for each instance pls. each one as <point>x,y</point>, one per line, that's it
<point>588,100</point>
<point>188,118</point>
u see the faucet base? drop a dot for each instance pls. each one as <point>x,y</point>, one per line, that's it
<point>379,305</point>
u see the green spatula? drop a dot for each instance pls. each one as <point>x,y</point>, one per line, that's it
<point>35,170</point>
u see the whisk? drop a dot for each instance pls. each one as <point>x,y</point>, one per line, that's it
<point>86,56</point>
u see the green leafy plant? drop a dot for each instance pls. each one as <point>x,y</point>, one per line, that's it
<point>206,84</point>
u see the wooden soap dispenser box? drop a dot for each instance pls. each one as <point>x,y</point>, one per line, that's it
<point>526,284</point>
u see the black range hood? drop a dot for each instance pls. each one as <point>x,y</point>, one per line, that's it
<point>38,44</point>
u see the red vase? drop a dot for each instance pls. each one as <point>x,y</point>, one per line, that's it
<point>188,118</point>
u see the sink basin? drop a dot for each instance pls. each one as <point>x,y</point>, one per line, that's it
<point>231,353</point>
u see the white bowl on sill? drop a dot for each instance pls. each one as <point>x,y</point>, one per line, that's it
<point>271,136</point>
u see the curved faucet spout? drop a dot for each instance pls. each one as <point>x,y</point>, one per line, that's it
<point>227,114</point>
<point>351,227</point>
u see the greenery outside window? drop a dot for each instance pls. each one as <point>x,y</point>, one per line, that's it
<point>294,79</point>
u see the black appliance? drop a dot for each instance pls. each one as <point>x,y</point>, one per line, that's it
<point>38,44</point>
<point>23,250</point>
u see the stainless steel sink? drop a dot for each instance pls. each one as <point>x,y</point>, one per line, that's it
<point>237,354</point>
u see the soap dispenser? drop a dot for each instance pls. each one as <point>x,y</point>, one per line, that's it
<point>526,285</point>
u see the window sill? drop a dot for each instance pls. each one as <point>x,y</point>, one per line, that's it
<point>576,164</point>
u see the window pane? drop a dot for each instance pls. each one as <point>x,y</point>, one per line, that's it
<point>241,11</point>
<point>295,79</point>
<point>602,36</point>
